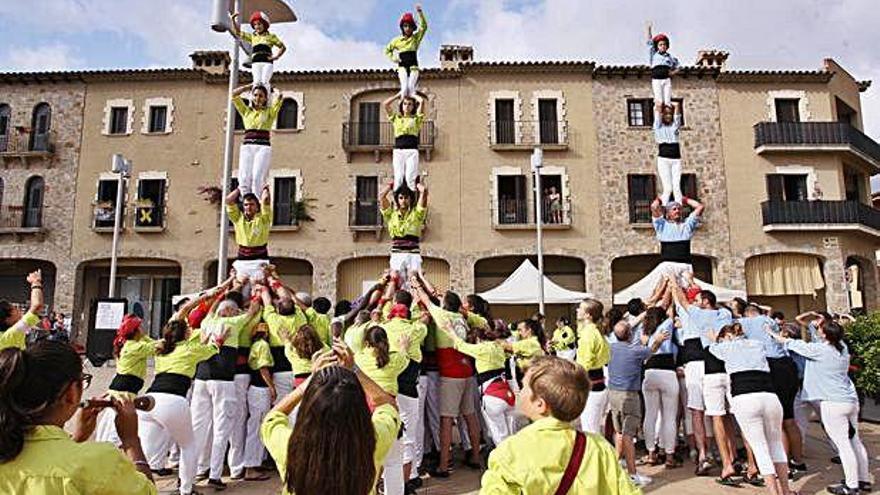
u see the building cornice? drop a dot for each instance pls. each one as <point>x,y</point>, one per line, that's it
<point>775,76</point>
<point>643,71</point>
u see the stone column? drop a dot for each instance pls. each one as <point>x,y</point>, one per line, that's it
<point>836,296</point>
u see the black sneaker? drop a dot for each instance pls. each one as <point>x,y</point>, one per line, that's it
<point>217,485</point>
<point>163,472</point>
<point>835,459</point>
<point>202,476</point>
<point>842,490</point>
<point>864,486</point>
<point>793,466</point>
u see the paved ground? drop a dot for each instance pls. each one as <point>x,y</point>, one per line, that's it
<point>676,482</point>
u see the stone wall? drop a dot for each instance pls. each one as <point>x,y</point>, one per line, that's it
<point>59,171</point>
<point>624,150</point>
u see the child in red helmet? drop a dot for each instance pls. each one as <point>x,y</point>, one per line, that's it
<point>663,66</point>
<point>262,42</point>
<point>404,51</point>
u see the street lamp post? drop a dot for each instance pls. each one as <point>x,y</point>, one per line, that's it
<point>537,164</point>
<point>278,12</point>
<point>121,166</point>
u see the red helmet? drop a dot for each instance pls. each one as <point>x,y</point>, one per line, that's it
<point>660,37</point>
<point>261,17</point>
<point>408,18</point>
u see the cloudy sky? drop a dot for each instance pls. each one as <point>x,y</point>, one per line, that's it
<point>75,34</point>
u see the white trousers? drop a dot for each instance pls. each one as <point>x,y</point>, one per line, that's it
<point>262,75</point>
<point>759,415</point>
<point>660,389</point>
<point>170,418</point>
<point>215,410</point>
<point>409,416</point>
<point>669,170</point>
<point>259,403</point>
<point>254,161</point>
<point>593,417</point>
<point>432,407</point>
<point>406,168</point>
<point>498,415</point>
<point>239,425</point>
<point>392,472</point>
<point>662,91</point>
<point>837,419</point>
<point>419,428</point>
<point>105,431</point>
<point>409,83</point>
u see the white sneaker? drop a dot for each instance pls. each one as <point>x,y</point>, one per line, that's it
<point>640,479</point>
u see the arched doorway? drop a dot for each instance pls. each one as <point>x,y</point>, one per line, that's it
<point>789,282</point>
<point>13,281</point>
<point>628,270</point>
<point>295,273</point>
<point>355,275</point>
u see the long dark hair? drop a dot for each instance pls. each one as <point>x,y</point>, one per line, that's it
<point>536,329</point>
<point>378,340</point>
<point>307,342</point>
<point>834,335</point>
<point>654,316</point>
<point>174,332</point>
<point>333,442</point>
<point>30,383</point>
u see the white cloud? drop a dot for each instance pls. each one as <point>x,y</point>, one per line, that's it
<point>42,58</point>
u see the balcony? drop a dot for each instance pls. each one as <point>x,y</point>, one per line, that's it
<point>365,216</point>
<point>526,135</point>
<point>519,214</point>
<point>781,216</point>
<point>25,146</point>
<point>817,136</point>
<point>20,221</point>
<point>376,137</point>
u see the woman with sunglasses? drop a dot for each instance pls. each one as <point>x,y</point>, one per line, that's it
<point>42,389</point>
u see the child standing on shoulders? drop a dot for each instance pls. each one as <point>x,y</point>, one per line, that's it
<point>255,156</point>
<point>403,50</point>
<point>262,42</point>
<point>407,127</point>
<point>667,124</point>
<point>663,66</point>
<point>550,456</point>
<point>405,224</point>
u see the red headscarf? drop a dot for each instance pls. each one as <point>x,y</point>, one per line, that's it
<point>127,329</point>
<point>398,311</point>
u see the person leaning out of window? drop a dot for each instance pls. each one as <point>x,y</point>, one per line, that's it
<point>41,389</point>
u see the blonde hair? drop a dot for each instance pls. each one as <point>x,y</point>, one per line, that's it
<point>563,385</point>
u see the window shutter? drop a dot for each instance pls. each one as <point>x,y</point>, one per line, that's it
<point>775,187</point>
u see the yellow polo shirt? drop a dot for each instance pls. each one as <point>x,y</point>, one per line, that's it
<point>487,356</point>
<point>133,357</point>
<point>260,355</point>
<point>386,376</point>
<point>534,460</point>
<point>321,324</point>
<point>400,224</point>
<point>298,364</point>
<point>253,232</point>
<point>257,119</point>
<point>416,330</point>
<point>276,430</point>
<point>185,357</point>
<point>593,349</point>
<point>51,463</point>
<point>280,323</point>
<point>525,350</point>
<point>15,336</point>
<point>563,338</point>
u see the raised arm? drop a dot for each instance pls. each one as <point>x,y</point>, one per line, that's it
<point>677,294</point>
<point>233,196</point>
<point>384,202</point>
<point>266,197</point>
<point>36,281</point>
<point>241,89</point>
<point>423,194</point>
<point>424,106</point>
<point>696,205</point>
<point>389,104</point>
<point>804,319</point>
<point>656,210</point>
<point>649,28</point>
<point>234,30</point>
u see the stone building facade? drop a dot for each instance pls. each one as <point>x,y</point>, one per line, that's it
<point>331,153</point>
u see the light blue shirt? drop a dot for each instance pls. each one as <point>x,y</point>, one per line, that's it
<point>625,367</point>
<point>755,329</point>
<point>668,346</point>
<point>656,58</point>
<point>696,323</point>
<point>825,373</point>
<point>741,355</point>
<point>666,133</point>
<point>673,232</point>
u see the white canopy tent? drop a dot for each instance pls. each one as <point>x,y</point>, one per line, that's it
<point>521,287</point>
<point>645,287</point>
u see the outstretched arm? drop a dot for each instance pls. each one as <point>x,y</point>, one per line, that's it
<point>677,294</point>
<point>233,25</point>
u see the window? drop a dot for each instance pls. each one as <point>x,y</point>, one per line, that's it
<point>640,111</point>
<point>239,122</point>
<point>105,204</point>
<point>787,109</point>
<point>288,115</point>
<point>845,113</point>
<point>505,126</point>
<point>284,200</point>
<point>853,185</point>
<point>150,203</point>
<point>368,125</point>
<point>366,204</point>
<point>119,120</point>
<point>548,120</point>
<point>551,199</point>
<point>40,125</point>
<point>33,202</point>
<point>787,187</point>
<point>642,190</point>
<point>5,113</point>
<point>512,199</point>
<point>158,119</point>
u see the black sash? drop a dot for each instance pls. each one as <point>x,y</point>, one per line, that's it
<point>261,53</point>
<point>408,59</point>
<point>677,251</point>
<point>221,366</point>
<point>660,362</point>
<point>747,382</point>
<point>406,142</point>
<point>127,383</point>
<point>660,72</point>
<point>170,383</point>
<point>669,150</point>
